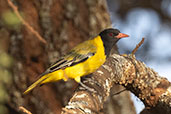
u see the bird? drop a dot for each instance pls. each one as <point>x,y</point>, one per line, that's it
<point>82,60</point>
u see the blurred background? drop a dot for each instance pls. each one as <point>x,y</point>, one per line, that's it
<point>63,24</point>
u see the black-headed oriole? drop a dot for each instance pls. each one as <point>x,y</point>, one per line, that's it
<point>82,60</point>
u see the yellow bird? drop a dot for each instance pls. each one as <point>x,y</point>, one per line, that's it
<point>82,60</point>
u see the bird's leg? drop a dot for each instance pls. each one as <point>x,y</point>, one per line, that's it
<point>86,87</point>
<point>78,80</point>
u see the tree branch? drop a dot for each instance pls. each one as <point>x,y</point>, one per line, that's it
<point>144,82</point>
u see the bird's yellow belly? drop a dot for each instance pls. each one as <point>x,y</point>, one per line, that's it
<point>84,68</point>
<point>88,66</point>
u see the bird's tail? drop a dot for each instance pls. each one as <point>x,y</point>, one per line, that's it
<point>37,83</point>
<point>51,77</point>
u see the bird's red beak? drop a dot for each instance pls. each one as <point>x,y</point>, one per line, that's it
<point>122,35</point>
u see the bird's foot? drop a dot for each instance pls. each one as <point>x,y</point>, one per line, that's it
<point>86,87</point>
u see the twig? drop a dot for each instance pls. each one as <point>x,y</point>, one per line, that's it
<point>137,46</point>
<point>24,110</point>
<point>119,92</point>
<point>24,22</point>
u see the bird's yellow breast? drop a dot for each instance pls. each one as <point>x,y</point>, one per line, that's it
<point>90,65</point>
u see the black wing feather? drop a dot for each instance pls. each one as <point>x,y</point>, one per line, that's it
<point>77,55</point>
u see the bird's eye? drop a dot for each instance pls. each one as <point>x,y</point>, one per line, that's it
<point>110,34</point>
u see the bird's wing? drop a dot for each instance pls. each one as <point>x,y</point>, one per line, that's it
<point>78,54</point>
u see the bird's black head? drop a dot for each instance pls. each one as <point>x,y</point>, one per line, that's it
<point>110,37</point>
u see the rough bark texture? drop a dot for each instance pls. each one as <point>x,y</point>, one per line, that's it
<point>144,82</point>
<point>63,24</point>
